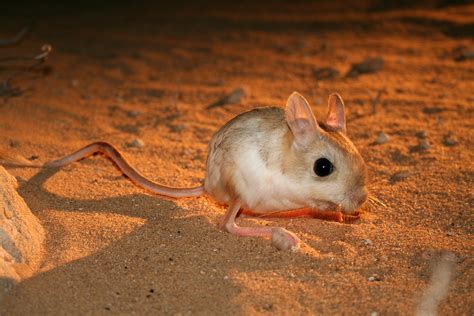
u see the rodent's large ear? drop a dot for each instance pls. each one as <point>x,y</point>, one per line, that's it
<point>300,118</point>
<point>336,117</point>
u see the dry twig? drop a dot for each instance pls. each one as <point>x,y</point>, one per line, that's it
<point>16,39</point>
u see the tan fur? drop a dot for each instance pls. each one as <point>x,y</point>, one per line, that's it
<point>293,161</point>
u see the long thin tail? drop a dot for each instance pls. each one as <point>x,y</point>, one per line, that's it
<point>112,153</point>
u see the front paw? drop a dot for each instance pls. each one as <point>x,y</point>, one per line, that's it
<point>283,239</point>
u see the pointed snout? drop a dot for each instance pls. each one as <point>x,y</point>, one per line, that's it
<point>354,200</point>
<point>362,197</point>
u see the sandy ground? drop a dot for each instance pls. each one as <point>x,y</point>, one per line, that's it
<point>148,72</point>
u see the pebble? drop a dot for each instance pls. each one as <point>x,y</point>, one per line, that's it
<point>382,138</point>
<point>325,73</point>
<point>369,65</point>
<point>374,278</point>
<point>449,140</point>
<point>176,128</point>
<point>421,134</point>
<point>423,145</point>
<point>399,176</point>
<point>232,98</point>
<point>137,143</point>
<point>433,110</point>
<point>236,96</point>
<point>367,242</point>
<point>268,307</point>
<point>462,53</point>
<point>14,143</point>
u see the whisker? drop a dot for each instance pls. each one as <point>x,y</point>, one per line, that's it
<point>371,204</point>
<point>374,200</point>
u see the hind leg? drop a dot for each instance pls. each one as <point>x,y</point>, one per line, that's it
<point>281,238</point>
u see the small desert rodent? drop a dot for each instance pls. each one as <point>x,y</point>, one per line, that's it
<point>267,160</point>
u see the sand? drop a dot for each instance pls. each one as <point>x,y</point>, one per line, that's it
<point>121,73</point>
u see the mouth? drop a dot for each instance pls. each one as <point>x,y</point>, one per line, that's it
<point>350,213</point>
<point>346,206</point>
<point>350,207</point>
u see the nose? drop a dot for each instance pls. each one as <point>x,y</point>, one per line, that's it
<point>353,200</point>
<point>357,197</point>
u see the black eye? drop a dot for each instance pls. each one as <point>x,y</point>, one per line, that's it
<point>323,167</point>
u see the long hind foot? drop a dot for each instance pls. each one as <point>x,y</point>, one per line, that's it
<point>307,212</point>
<point>282,239</point>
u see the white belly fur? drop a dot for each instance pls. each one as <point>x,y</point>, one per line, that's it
<point>261,189</point>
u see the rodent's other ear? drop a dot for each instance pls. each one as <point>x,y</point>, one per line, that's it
<point>300,118</point>
<point>336,117</point>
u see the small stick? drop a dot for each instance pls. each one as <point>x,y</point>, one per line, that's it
<point>45,51</point>
<point>17,38</point>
